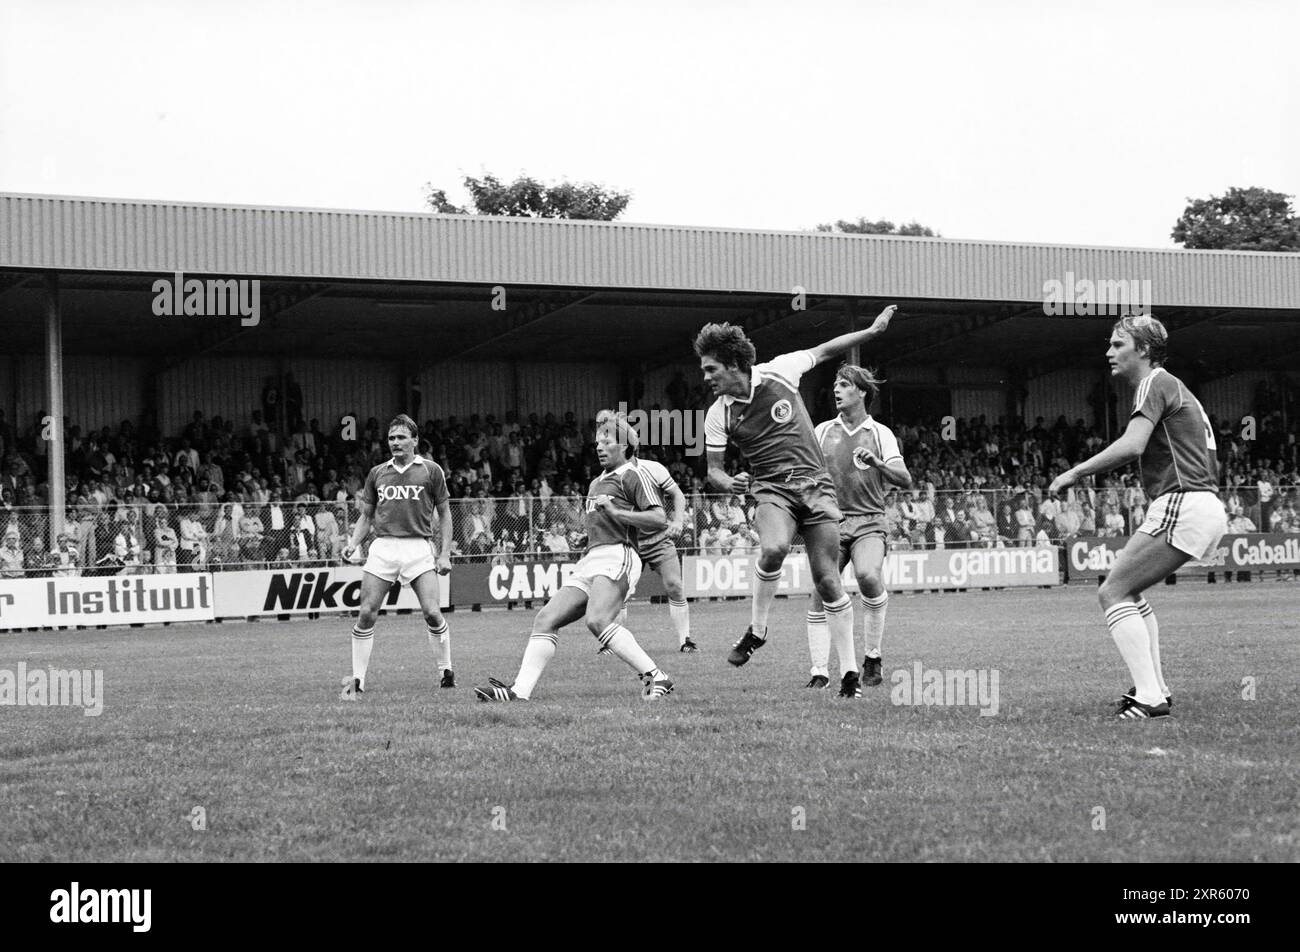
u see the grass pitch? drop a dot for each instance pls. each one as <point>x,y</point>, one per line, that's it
<point>738,764</point>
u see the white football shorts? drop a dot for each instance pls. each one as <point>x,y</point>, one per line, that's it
<point>612,561</point>
<point>392,558</point>
<point>1192,522</point>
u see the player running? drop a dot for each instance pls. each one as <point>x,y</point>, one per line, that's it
<point>1169,433</point>
<point>862,455</point>
<point>657,549</point>
<point>760,410</point>
<point>621,503</point>
<point>400,498</point>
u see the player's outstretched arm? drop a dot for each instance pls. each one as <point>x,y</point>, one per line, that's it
<point>1124,450</point>
<point>838,345</point>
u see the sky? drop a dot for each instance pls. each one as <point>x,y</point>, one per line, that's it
<point>1005,120</point>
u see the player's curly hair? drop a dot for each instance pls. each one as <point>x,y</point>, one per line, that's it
<point>727,344</point>
<point>864,378</point>
<point>1148,334</point>
<point>406,422</point>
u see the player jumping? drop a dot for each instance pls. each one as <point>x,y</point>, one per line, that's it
<point>760,410</point>
<point>1169,433</point>
<point>621,503</point>
<point>400,497</point>
<point>862,455</point>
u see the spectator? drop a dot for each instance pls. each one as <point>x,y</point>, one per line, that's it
<point>64,560</point>
<point>12,562</point>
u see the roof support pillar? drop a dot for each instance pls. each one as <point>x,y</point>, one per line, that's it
<point>54,400</point>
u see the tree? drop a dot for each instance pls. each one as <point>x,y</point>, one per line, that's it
<point>863,227</point>
<point>526,197</point>
<point>1243,219</point>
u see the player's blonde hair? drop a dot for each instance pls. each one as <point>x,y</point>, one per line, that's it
<point>624,432</point>
<point>1148,335</point>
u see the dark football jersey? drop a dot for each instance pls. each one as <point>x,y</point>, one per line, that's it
<point>772,427</point>
<point>1180,456</point>
<point>859,489</point>
<point>406,500</point>
<point>631,488</point>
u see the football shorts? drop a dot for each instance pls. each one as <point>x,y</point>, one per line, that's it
<point>658,553</point>
<point>1192,522</point>
<point>392,558</point>
<point>808,499</point>
<point>856,528</point>
<point>615,562</point>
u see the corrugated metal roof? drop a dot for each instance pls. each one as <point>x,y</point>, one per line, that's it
<point>64,233</point>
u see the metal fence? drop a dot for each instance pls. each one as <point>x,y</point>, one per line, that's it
<point>151,538</point>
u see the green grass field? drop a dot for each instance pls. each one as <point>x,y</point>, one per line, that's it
<point>243,720</point>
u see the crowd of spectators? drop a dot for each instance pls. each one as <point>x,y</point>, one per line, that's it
<point>219,493</point>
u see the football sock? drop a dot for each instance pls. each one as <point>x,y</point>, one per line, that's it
<point>873,621</point>
<point>362,642</point>
<point>440,640</point>
<point>540,650</point>
<point>620,641</point>
<point>764,593</point>
<point>622,615</point>
<point>839,620</point>
<point>1130,634</point>
<point>680,613</point>
<point>1153,637</point>
<point>819,644</point>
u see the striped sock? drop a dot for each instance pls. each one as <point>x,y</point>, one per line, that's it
<point>680,613</point>
<point>873,621</point>
<point>764,593</point>
<point>1130,634</point>
<point>440,638</point>
<point>540,650</point>
<point>1153,639</point>
<point>362,642</point>
<point>819,644</point>
<point>839,621</point>
<point>620,641</point>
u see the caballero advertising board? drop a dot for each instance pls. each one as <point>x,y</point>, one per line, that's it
<point>1088,557</point>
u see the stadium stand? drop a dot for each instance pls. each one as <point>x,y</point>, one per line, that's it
<point>217,495</point>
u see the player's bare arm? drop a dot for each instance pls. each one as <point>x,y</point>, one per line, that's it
<point>650,520</point>
<point>845,342</point>
<point>445,528</point>
<point>718,474</point>
<point>895,473</point>
<point>1124,450</point>
<point>678,518</point>
<point>359,531</point>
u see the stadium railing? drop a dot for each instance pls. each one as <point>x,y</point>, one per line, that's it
<point>149,538</point>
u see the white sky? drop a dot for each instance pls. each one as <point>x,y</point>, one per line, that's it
<point>1009,120</point>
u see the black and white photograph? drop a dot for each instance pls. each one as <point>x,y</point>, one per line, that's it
<point>703,432</point>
